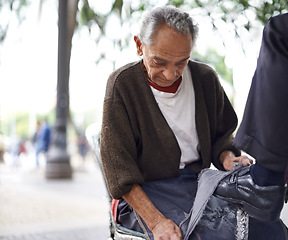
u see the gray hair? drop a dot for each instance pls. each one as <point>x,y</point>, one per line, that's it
<point>169,15</point>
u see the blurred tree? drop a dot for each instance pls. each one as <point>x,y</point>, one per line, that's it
<point>217,61</point>
<point>241,15</point>
<point>58,159</point>
<point>8,8</point>
<point>232,10</point>
<point>17,123</point>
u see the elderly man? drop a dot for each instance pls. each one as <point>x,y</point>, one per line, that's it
<point>165,118</point>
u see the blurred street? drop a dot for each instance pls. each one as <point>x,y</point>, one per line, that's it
<point>36,208</point>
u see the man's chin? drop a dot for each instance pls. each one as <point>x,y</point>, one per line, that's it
<point>164,83</point>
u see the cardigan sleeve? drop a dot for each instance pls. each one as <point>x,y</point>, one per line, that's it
<point>215,118</point>
<point>117,145</point>
<point>226,123</point>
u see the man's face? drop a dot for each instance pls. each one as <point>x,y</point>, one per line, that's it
<point>167,56</point>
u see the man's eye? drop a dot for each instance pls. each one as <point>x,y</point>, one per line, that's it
<point>159,63</point>
<point>182,63</point>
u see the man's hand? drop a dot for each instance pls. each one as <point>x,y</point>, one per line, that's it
<point>228,160</point>
<point>161,227</point>
<point>166,230</point>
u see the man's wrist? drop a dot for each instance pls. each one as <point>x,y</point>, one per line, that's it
<point>226,154</point>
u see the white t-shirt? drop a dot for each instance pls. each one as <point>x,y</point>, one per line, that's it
<point>179,111</point>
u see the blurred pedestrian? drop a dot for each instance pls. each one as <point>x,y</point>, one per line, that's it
<point>37,133</point>
<point>82,145</point>
<point>14,149</point>
<point>43,139</point>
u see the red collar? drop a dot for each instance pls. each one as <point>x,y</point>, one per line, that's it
<point>171,89</point>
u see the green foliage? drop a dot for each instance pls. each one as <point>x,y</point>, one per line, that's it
<point>18,5</point>
<point>22,125</point>
<point>230,10</point>
<point>241,14</point>
<point>12,7</point>
<point>19,123</point>
<point>269,9</point>
<point>176,3</point>
<point>217,61</point>
<point>89,16</point>
<point>86,13</point>
<point>117,6</point>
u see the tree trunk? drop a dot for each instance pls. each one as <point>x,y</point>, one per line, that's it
<point>58,160</point>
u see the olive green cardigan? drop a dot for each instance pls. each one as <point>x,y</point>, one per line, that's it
<point>137,144</point>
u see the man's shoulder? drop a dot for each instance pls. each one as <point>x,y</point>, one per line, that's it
<point>202,71</point>
<point>200,66</point>
<point>124,78</point>
<point>126,69</point>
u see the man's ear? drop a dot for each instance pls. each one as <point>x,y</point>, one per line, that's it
<point>138,45</point>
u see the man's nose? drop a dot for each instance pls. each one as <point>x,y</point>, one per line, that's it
<point>170,73</point>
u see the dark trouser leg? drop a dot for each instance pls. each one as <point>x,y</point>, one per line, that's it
<point>264,129</point>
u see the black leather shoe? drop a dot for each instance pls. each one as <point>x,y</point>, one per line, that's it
<point>262,203</point>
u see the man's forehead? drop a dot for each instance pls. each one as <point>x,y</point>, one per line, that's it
<point>167,31</point>
<point>160,52</point>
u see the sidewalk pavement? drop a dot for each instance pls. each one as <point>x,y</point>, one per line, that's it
<point>35,208</point>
